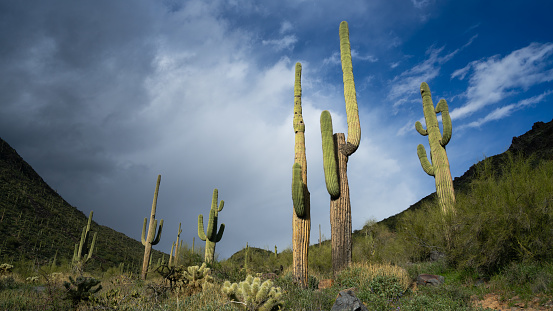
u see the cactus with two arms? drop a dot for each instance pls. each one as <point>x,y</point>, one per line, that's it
<point>211,236</point>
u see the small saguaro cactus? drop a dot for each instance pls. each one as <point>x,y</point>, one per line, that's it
<point>336,151</point>
<point>211,236</point>
<point>300,194</point>
<point>83,252</point>
<point>151,238</point>
<point>439,168</point>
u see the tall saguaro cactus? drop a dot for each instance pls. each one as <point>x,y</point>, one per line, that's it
<point>300,194</point>
<point>440,164</point>
<point>336,151</point>
<point>151,238</point>
<point>83,252</point>
<point>177,248</point>
<point>211,236</point>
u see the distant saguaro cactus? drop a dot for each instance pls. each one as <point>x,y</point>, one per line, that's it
<point>300,194</point>
<point>177,248</point>
<point>83,252</point>
<point>440,164</point>
<point>151,238</point>
<point>211,236</point>
<point>336,151</point>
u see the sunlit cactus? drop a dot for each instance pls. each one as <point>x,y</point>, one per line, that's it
<point>83,252</point>
<point>211,236</point>
<point>251,294</point>
<point>151,238</point>
<point>439,167</point>
<point>301,218</point>
<point>336,151</point>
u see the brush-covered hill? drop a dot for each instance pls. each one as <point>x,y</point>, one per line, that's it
<point>538,143</point>
<point>36,222</point>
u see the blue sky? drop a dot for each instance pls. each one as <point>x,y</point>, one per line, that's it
<point>100,97</point>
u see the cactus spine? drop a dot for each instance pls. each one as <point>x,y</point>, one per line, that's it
<point>300,194</point>
<point>211,236</point>
<point>82,252</point>
<point>439,168</point>
<point>336,151</point>
<point>151,239</point>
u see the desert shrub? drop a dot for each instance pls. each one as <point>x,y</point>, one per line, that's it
<point>505,218</point>
<point>320,258</point>
<point>376,243</point>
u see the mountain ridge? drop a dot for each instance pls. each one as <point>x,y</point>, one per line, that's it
<point>537,142</point>
<point>36,223</point>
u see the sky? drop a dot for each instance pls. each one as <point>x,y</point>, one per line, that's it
<point>100,97</point>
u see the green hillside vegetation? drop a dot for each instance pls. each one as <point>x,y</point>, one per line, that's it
<point>36,223</point>
<point>500,244</point>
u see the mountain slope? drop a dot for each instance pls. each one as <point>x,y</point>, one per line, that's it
<point>538,142</point>
<point>35,222</point>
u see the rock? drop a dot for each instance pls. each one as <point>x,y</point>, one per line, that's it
<point>435,255</point>
<point>430,279</point>
<point>327,283</point>
<point>346,301</point>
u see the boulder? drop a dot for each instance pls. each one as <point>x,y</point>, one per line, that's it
<point>430,279</point>
<point>346,301</point>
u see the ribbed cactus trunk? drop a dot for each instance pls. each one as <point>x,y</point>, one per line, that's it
<point>300,194</point>
<point>340,214</point>
<point>151,238</point>
<point>336,151</point>
<point>439,168</point>
<point>211,236</point>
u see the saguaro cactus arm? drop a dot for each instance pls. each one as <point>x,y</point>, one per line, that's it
<point>329,155</point>
<point>354,127</point>
<point>442,108</point>
<point>157,237</point>
<point>298,197</point>
<point>426,166</point>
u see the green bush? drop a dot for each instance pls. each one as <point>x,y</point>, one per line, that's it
<point>505,218</point>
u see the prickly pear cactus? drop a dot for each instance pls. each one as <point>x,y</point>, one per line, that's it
<point>251,294</point>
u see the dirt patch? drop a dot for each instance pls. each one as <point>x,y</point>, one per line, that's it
<point>495,302</point>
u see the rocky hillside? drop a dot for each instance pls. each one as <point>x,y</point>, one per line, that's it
<point>538,142</point>
<point>36,222</point>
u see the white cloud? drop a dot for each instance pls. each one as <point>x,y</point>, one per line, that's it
<point>407,84</point>
<point>335,58</point>
<point>495,78</point>
<point>505,111</point>
<point>287,42</point>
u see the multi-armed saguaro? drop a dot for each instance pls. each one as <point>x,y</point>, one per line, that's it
<point>440,164</point>
<point>336,151</point>
<point>300,194</point>
<point>151,239</point>
<point>82,252</point>
<point>211,236</point>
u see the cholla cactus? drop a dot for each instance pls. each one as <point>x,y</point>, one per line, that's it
<point>81,289</point>
<point>251,294</point>
<point>197,276</point>
<point>5,268</point>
